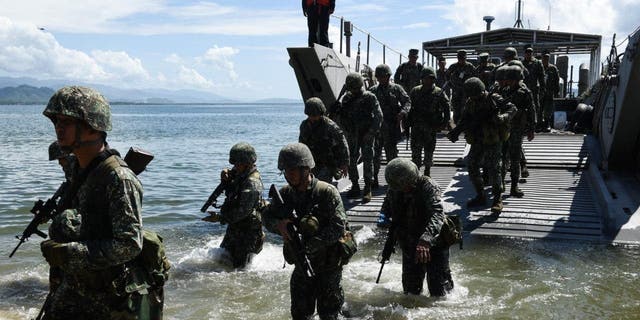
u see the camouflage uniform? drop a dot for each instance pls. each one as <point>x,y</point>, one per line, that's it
<point>321,201</point>
<point>458,74</point>
<point>100,230</point>
<point>328,145</point>
<point>485,70</point>
<point>407,74</point>
<point>394,102</point>
<point>552,88</point>
<point>244,234</point>
<point>535,81</point>
<point>429,112</point>
<point>417,215</point>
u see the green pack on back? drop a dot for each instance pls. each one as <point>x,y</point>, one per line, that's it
<point>153,258</point>
<point>451,232</point>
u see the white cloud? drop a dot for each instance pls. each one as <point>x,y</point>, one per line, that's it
<point>221,59</point>
<point>121,65</point>
<point>419,25</point>
<point>191,78</point>
<point>174,59</point>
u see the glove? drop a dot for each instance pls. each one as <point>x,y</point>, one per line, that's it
<point>225,174</point>
<point>54,252</point>
<point>383,220</point>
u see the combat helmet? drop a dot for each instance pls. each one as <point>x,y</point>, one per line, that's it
<point>295,155</point>
<point>55,152</point>
<point>81,103</point>
<point>427,72</point>
<point>501,73</point>
<point>353,81</point>
<point>382,70</point>
<point>242,152</point>
<point>314,107</point>
<point>513,72</point>
<point>401,173</point>
<point>473,87</point>
<point>510,53</point>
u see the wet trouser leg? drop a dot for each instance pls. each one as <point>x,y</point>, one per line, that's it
<point>324,288</point>
<point>437,272</point>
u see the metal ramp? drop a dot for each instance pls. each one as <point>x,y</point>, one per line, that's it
<point>558,201</point>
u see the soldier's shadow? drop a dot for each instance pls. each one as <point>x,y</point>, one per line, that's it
<point>455,197</point>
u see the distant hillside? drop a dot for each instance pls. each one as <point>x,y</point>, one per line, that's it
<point>25,94</point>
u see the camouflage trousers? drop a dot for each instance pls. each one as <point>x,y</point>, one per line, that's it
<point>457,104</point>
<point>324,290</point>
<point>535,95</point>
<point>423,137</point>
<point>489,157</point>
<point>437,271</point>
<point>360,144</point>
<point>388,138</point>
<point>547,109</point>
<point>324,173</point>
<point>512,155</point>
<point>243,239</point>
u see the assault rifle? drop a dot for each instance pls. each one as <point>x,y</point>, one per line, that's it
<point>302,261</point>
<point>212,201</point>
<point>389,248</point>
<point>43,211</point>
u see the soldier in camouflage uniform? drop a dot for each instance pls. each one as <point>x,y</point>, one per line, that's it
<point>485,123</point>
<point>552,88</point>
<point>441,75</point>
<point>408,73</point>
<point>65,160</point>
<point>414,204</point>
<point>395,104</point>
<point>521,124</point>
<point>100,230</point>
<point>326,141</point>
<point>429,114</point>
<point>244,236</point>
<point>361,118</point>
<point>535,81</point>
<point>457,74</point>
<point>484,70</point>
<point>323,222</point>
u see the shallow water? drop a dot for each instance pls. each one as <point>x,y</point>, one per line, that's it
<point>494,278</point>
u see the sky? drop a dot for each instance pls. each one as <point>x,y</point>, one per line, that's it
<point>237,49</point>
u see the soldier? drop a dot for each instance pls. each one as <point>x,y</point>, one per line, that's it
<point>485,123</point>
<point>458,73</point>
<point>408,73</point>
<point>322,221</point>
<point>484,70</point>
<point>441,75</point>
<point>361,118</point>
<point>414,203</point>
<point>244,237</point>
<point>535,81</point>
<point>429,114</point>
<point>65,160</point>
<point>552,88</point>
<point>326,141</point>
<point>95,252</point>
<point>395,105</point>
<point>522,123</point>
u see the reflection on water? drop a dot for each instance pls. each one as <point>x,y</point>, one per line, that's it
<point>494,278</point>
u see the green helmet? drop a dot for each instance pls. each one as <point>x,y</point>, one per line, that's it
<point>55,152</point>
<point>81,103</point>
<point>382,70</point>
<point>242,152</point>
<point>510,53</point>
<point>483,56</point>
<point>353,81</point>
<point>295,155</point>
<point>427,72</point>
<point>401,173</point>
<point>314,107</point>
<point>513,72</point>
<point>473,87</point>
<point>501,73</point>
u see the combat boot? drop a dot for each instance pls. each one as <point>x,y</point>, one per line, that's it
<point>366,194</point>
<point>355,190</point>
<point>515,191</point>
<point>479,200</point>
<point>524,172</point>
<point>496,207</point>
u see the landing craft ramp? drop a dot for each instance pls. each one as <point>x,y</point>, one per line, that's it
<point>558,201</point>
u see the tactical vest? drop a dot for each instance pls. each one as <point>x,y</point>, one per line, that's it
<point>426,107</point>
<point>358,112</point>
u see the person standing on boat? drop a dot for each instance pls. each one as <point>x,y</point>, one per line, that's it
<point>326,141</point>
<point>361,118</point>
<point>322,222</point>
<point>318,13</point>
<point>96,238</point>
<point>408,73</point>
<point>441,74</point>
<point>458,73</point>
<point>240,211</point>
<point>484,70</point>
<point>395,104</point>
<point>430,113</point>
<point>414,203</point>
<point>552,88</point>
<point>485,123</point>
<point>522,123</point>
<point>535,81</point>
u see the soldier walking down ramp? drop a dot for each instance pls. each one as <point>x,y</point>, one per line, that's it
<point>430,112</point>
<point>458,73</point>
<point>326,141</point>
<point>552,87</point>
<point>535,81</point>
<point>394,103</point>
<point>361,118</point>
<point>408,73</point>
<point>484,70</point>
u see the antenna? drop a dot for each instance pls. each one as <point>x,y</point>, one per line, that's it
<point>549,25</point>
<point>488,20</point>
<point>518,23</point>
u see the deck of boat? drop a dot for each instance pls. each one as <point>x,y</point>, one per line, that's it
<point>558,201</point>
